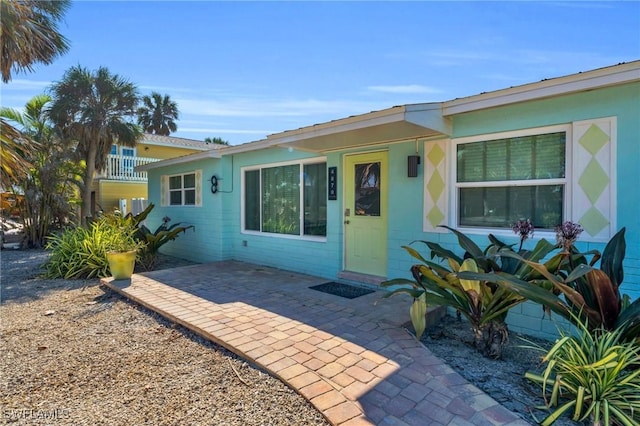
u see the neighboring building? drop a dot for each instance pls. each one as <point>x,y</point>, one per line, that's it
<point>339,199</point>
<point>120,187</point>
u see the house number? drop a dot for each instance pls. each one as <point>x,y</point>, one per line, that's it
<point>332,183</point>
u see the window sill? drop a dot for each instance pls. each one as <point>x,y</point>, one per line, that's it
<point>311,238</point>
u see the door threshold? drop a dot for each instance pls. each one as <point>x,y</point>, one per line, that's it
<point>358,277</point>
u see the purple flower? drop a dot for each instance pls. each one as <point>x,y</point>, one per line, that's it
<point>523,229</point>
<point>567,234</point>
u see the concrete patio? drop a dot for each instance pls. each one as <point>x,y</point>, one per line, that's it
<point>351,358</point>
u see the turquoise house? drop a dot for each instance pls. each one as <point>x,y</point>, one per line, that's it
<point>339,199</point>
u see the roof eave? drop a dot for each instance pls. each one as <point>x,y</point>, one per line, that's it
<point>600,78</point>
<point>395,123</point>
<point>214,153</point>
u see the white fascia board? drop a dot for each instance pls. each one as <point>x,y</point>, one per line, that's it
<point>610,76</point>
<point>386,116</point>
<point>173,145</point>
<point>214,153</point>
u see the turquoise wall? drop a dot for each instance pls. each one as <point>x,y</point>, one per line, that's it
<point>204,244</point>
<point>218,223</point>
<point>622,102</point>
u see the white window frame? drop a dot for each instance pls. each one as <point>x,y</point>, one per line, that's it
<point>301,163</point>
<point>127,162</point>
<point>455,187</point>
<point>183,189</point>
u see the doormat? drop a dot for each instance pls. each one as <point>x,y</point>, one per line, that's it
<point>343,290</point>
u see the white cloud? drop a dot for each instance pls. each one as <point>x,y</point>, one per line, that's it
<point>258,107</point>
<point>21,84</point>
<point>405,89</point>
<point>228,131</point>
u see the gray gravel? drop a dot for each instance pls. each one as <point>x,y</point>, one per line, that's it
<point>73,353</point>
<point>503,380</point>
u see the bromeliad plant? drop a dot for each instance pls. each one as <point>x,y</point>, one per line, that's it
<point>154,240</point>
<point>484,304</point>
<point>569,285</point>
<point>591,375</point>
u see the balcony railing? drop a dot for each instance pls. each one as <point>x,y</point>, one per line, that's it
<point>122,167</point>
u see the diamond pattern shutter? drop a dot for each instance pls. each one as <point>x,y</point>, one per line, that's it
<point>436,189</point>
<point>594,177</point>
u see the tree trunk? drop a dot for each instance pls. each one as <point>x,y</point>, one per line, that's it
<point>490,339</point>
<point>85,209</point>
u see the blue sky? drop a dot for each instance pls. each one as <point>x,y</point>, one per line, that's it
<point>243,70</point>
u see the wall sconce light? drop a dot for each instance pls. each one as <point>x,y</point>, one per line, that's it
<point>412,165</point>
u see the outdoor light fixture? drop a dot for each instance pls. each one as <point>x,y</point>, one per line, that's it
<point>412,165</point>
<point>412,162</point>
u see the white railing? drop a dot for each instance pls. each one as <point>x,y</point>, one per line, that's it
<point>122,167</point>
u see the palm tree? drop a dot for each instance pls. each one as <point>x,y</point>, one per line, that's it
<point>94,109</point>
<point>157,114</point>
<point>29,33</point>
<point>50,186</point>
<point>216,140</point>
<point>13,165</point>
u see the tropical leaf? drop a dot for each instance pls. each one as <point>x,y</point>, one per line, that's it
<point>606,296</point>
<point>418,312</point>
<point>629,321</point>
<point>468,285</point>
<point>416,254</point>
<point>442,253</point>
<point>466,243</point>
<point>612,258</point>
<point>524,289</point>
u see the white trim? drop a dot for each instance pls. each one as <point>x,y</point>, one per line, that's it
<point>513,134</point>
<point>196,188</point>
<point>301,163</point>
<point>179,160</point>
<point>589,80</point>
<point>310,160</point>
<point>455,185</point>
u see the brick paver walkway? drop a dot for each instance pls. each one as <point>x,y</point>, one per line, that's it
<point>350,357</point>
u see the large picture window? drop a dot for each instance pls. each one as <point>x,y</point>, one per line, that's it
<point>502,180</point>
<point>287,199</point>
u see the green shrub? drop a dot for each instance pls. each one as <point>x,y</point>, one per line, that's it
<point>570,286</point>
<point>483,303</point>
<point>154,240</point>
<point>81,252</point>
<point>592,375</point>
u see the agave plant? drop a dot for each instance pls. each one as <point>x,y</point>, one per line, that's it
<point>483,303</point>
<point>570,286</point>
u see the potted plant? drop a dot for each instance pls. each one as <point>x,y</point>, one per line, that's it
<point>121,251</point>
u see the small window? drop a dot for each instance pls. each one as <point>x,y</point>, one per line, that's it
<point>503,180</point>
<point>182,190</point>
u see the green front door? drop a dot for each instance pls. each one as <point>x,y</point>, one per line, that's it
<point>365,213</point>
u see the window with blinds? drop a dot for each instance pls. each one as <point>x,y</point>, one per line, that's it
<point>288,199</point>
<point>501,181</point>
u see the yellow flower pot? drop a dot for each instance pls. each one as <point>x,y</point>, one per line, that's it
<point>121,264</point>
